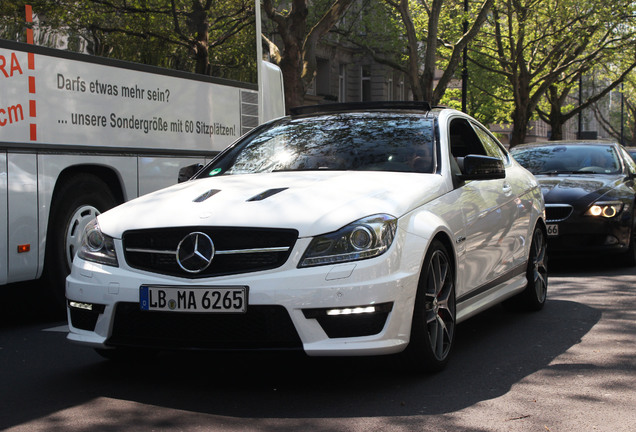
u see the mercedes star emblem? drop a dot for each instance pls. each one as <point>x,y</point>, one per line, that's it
<point>195,252</point>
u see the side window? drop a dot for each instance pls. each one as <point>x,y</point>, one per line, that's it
<point>631,165</point>
<point>463,139</point>
<point>493,148</point>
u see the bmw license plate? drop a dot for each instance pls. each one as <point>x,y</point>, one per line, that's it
<point>553,230</point>
<point>207,299</point>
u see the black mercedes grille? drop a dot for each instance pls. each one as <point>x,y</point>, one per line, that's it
<point>238,250</point>
<point>261,327</point>
<point>557,213</point>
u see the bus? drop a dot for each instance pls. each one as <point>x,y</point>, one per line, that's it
<point>80,134</point>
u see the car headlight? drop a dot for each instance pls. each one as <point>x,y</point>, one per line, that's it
<point>97,246</point>
<point>366,238</point>
<point>607,209</point>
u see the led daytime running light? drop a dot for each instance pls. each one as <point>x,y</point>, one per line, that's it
<point>351,311</point>
<point>78,305</point>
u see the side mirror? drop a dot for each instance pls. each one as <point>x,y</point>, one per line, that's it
<point>187,172</point>
<point>478,167</point>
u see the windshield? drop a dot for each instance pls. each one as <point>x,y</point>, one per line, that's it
<point>383,142</point>
<point>570,159</point>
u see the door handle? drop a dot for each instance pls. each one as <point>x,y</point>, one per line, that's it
<point>506,188</point>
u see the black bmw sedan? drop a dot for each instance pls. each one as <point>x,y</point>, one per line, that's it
<point>589,191</point>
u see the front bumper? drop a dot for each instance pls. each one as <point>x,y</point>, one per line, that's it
<point>581,234</point>
<point>287,307</point>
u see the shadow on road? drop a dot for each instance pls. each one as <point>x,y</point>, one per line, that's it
<point>493,352</point>
<point>24,303</point>
<point>583,265</point>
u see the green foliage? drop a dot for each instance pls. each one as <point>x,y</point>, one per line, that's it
<point>451,27</point>
<point>182,34</point>
<point>538,47</point>
<point>376,21</point>
<point>12,20</point>
<point>489,97</point>
<point>452,99</point>
<point>550,31</point>
<point>619,117</point>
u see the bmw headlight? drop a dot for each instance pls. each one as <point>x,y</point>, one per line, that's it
<point>97,246</point>
<point>607,209</point>
<point>366,238</point>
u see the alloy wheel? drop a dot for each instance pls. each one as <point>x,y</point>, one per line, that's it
<point>440,308</point>
<point>539,265</point>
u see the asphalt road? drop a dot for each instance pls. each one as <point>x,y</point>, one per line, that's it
<point>570,367</point>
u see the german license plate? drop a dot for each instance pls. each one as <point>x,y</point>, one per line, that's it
<point>206,299</point>
<point>553,230</point>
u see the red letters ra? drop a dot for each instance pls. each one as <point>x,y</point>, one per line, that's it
<point>9,69</point>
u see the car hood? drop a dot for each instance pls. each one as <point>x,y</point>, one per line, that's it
<point>576,188</point>
<point>311,202</point>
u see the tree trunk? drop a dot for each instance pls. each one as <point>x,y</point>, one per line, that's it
<point>202,64</point>
<point>202,34</point>
<point>556,117</point>
<point>632,126</point>
<point>522,112</point>
<point>520,126</point>
<point>297,56</point>
<point>430,57</point>
<point>556,133</point>
<point>291,65</point>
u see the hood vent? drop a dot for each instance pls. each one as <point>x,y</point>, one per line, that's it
<point>206,195</point>
<point>268,193</point>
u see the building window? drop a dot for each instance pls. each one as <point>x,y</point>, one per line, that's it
<point>322,77</point>
<point>311,89</point>
<point>401,95</point>
<point>342,80</point>
<point>365,84</point>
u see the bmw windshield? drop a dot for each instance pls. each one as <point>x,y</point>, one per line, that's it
<point>569,159</point>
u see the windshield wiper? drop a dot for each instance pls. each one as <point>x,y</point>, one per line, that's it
<point>308,169</point>
<point>553,172</point>
<point>556,172</point>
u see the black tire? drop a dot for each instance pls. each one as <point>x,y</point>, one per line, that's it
<point>533,297</point>
<point>76,202</point>
<point>629,258</point>
<point>433,326</point>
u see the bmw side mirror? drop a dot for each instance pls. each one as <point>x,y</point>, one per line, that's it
<point>478,167</point>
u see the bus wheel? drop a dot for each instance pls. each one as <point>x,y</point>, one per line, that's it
<point>78,200</point>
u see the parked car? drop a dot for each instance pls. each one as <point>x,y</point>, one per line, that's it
<point>589,193</point>
<point>356,229</point>
<point>632,152</point>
